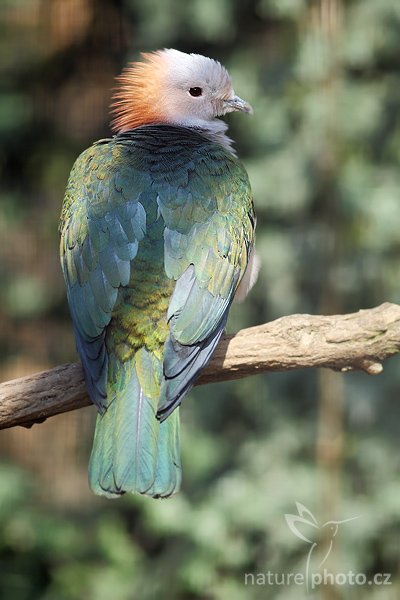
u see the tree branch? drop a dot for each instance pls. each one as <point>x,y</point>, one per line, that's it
<point>358,341</point>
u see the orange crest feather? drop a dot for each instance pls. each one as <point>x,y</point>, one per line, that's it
<point>137,99</point>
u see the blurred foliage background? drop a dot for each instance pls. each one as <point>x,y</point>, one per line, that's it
<point>322,152</point>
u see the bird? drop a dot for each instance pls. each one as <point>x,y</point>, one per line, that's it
<point>157,234</point>
<point>315,534</point>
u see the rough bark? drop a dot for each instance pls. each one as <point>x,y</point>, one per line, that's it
<point>357,341</point>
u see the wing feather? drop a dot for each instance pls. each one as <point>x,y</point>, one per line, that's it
<point>100,236</point>
<point>208,239</point>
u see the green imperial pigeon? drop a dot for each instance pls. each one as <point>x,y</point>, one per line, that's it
<point>157,236</point>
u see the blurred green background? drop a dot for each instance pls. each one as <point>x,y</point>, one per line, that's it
<point>322,152</point>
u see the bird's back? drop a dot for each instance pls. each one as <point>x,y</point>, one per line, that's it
<point>156,230</point>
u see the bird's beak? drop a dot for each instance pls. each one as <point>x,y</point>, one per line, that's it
<point>237,103</point>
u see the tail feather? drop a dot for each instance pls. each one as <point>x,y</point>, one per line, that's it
<point>134,439</point>
<point>131,451</point>
<point>168,473</point>
<point>100,467</point>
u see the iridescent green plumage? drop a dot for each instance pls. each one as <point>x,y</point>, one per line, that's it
<point>156,232</point>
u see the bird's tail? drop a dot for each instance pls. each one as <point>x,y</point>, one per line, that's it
<point>132,451</point>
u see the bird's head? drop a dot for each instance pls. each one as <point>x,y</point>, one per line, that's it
<point>172,87</point>
<point>332,527</point>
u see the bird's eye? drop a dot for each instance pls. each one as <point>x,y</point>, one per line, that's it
<point>195,91</point>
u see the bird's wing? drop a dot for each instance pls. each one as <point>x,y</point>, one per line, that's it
<point>208,239</point>
<point>101,225</point>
